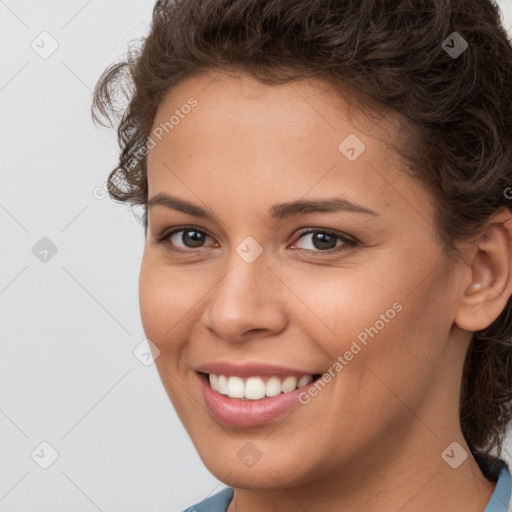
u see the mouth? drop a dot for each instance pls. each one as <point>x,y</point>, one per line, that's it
<point>257,387</point>
<point>251,395</point>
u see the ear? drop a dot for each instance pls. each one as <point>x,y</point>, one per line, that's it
<point>489,284</point>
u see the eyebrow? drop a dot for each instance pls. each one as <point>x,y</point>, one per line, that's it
<point>277,211</point>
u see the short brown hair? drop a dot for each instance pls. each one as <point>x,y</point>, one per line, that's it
<point>457,110</point>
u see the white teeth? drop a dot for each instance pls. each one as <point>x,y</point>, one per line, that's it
<point>214,381</point>
<point>236,387</point>
<point>289,384</point>
<point>273,387</point>
<point>304,381</point>
<point>223,384</point>
<point>255,388</point>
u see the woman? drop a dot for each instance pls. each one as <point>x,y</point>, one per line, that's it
<point>327,273</point>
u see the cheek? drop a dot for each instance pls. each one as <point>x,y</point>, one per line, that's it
<point>379,318</point>
<point>340,304</point>
<point>166,298</point>
<point>400,356</point>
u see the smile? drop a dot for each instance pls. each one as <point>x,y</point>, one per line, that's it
<point>257,387</point>
<point>249,395</point>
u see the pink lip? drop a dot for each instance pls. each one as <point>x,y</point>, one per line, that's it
<point>250,369</point>
<point>248,413</point>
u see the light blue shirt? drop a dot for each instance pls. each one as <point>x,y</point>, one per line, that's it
<point>500,498</point>
<point>499,501</point>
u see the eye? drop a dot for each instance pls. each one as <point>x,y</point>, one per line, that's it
<point>325,241</point>
<point>191,238</point>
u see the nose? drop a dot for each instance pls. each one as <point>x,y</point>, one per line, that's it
<point>246,302</point>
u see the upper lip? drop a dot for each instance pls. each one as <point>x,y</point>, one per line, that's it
<point>249,369</point>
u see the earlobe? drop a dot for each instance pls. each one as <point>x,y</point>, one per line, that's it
<point>486,293</point>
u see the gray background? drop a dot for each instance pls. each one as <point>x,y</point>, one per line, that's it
<point>70,320</point>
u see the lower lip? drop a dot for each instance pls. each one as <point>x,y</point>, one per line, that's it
<point>247,413</point>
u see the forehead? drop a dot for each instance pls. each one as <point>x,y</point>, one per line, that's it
<point>288,140</point>
<point>293,109</point>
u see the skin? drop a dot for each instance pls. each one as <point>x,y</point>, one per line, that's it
<point>372,439</point>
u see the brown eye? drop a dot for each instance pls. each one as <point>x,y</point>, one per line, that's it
<point>191,238</point>
<point>183,239</point>
<point>326,240</point>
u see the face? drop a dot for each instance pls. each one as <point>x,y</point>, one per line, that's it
<point>248,301</point>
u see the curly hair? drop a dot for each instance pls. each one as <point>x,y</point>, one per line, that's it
<point>392,56</point>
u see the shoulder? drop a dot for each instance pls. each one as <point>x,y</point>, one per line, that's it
<point>500,499</point>
<point>497,471</point>
<point>217,503</point>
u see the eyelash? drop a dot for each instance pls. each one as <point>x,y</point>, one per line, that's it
<point>347,242</point>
